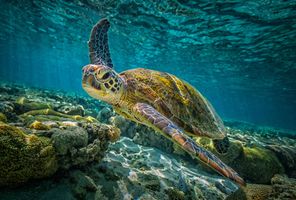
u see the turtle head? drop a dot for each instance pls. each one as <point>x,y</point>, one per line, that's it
<point>102,82</point>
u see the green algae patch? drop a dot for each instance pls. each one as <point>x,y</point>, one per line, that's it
<point>254,164</point>
<point>258,165</point>
<point>24,157</point>
<point>57,115</point>
<point>3,118</point>
<point>175,194</point>
<point>24,105</point>
<point>37,125</point>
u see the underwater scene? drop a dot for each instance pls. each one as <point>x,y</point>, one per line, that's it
<point>147,100</point>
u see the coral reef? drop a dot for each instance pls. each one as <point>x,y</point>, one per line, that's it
<point>251,192</point>
<point>287,156</point>
<point>72,110</point>
<point>24,157</point>
<point>257,165</point>
<point>175,194</point>
<point>139,133</point>
<point>247,161</point>
<point>45,132</point>
<point>36,141</point>
<point>39,126</point>
<point>283,188</point>
<point>23,105</point>
<point>257,191</point>
<point>3,118</point>
<point>46,151</point>
<point>76,146</point>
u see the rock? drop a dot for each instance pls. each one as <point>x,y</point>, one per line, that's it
<point>104,114</point>
<point>82,184</point>
<point>257,191</point>
<point>283,188</point>
<point>248,162</point>
<point>99,195</point>
<point>175,194</point>
<point>66,140</point>
<point>120,122</point>
<point>23,105</point>
<point>8,90</point>
<point>257,165</point>
<point>39,126</point>
<point>72,110</point>
<point>3,118</point>
<point>239,194</point>
<point>114,134</point>
<point>54,115</point>
<point>142,134</point>
<point>225,186</point>
<point>287,157</point>
<point>155,172</point>
<point>251,192</point>
<point>24,157</point>
<point>6,107</point>
<point>77,146</point>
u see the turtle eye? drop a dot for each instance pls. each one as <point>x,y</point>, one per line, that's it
<point>107,75</point>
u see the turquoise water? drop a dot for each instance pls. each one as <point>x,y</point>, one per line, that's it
<point>239,54</point>
<point>57,142</point>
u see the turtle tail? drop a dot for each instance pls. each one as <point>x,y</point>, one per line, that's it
<point>221,145</point>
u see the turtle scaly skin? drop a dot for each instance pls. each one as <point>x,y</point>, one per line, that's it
<point>159,100</point>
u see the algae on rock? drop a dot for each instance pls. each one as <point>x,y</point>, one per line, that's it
<point>24,157</point>
<point>283,188</point>
<point>249,162</point>
<point>76,146</point>
<point>23,105</point>
<point>3,118</point>
<point>50,112</point>
<point>258,165</point>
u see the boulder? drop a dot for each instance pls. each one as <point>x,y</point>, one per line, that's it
<point>66,140</point>
<point>283,188</point>
<point>3,118</point>
<point>72,110</point>
<point>249,162</point>
<point>24,157</point>
<point>77,146</point>
<point>257,165</point>
<point>287,157</point>
<point>23,105</point>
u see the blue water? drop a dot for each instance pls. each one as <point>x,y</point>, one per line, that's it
<point>241,54</point>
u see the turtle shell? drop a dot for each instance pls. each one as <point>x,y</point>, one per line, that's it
<point>175,99</point>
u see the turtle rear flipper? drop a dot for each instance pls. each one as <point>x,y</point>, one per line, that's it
<point>98,44</point>
<point>151,117</point>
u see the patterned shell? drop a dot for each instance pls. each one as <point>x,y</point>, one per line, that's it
<point>175,99</point>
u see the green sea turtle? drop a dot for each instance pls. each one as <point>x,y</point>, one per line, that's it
<point>156,99</point>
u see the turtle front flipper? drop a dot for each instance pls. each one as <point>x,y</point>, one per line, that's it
<point>98,44</point>
<point>151,117</point>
